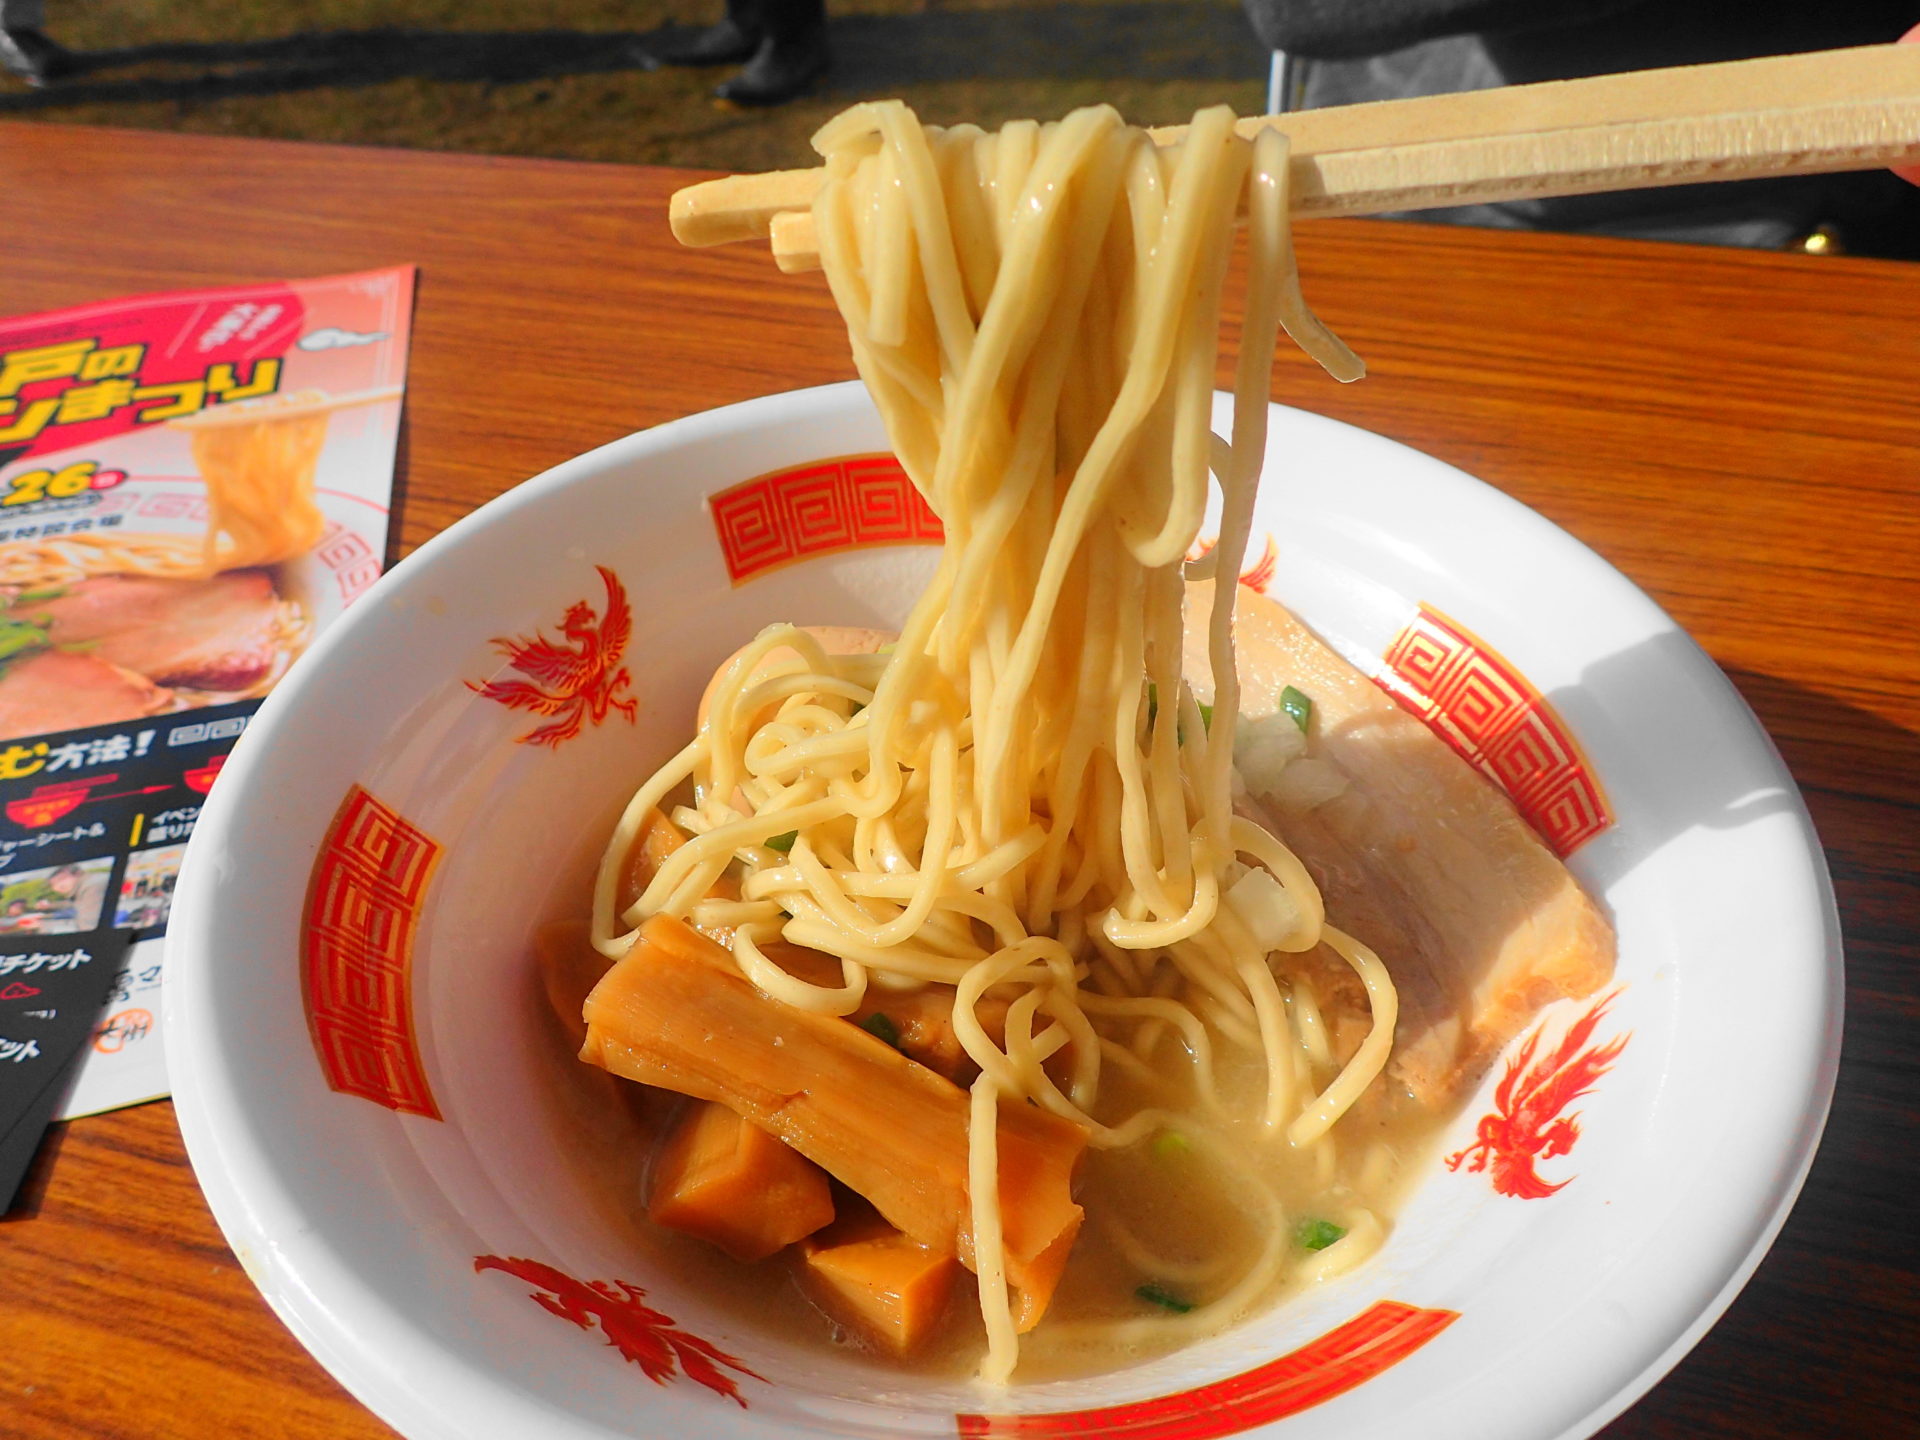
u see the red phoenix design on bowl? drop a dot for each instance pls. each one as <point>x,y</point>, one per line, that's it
<point>1526,1125</point>
<point>639,1332</point>
<point>579,681</point>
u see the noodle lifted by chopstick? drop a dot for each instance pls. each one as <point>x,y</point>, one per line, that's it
<point>1024,796</point>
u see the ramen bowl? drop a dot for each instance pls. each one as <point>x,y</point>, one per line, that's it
<point>441,1203</point>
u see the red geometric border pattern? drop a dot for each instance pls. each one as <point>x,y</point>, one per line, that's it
<point>1472,698</point>
<point>1350,1355</point>
<point>819,509</point>
<point>355,567</point>
<point>368,888</point>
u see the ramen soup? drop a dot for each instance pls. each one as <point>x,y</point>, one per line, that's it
<point>1075,972</point>
<point>1205,1230</point>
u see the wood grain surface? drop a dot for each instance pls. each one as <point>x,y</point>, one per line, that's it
<point>1737,432</point>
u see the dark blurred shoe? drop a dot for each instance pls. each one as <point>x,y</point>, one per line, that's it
<point>778,72</point>
<point>33,57</point>
<point>724,44</point>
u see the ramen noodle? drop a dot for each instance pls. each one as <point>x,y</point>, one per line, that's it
<point>62,560</point>
<point>260,489</point>
<point>258,468</point>
<point>1016,819</point>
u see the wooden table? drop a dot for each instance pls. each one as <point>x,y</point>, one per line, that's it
<point>1739,433</point>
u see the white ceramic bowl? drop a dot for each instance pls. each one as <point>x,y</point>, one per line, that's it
<point>376,1102</point>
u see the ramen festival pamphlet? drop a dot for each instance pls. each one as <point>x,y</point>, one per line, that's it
<point>192,487</point>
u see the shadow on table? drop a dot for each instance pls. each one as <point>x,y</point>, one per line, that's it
<point>871,52</point>
<point>313,60</point>
<point>1832,1301</point>
<point>33,1185</point>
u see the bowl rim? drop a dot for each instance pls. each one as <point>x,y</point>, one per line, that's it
<point>219,1148</point>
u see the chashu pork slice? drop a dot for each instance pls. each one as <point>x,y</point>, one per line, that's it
<point>1419,857</point>
<point>214,634</point>
<point>54,690</point>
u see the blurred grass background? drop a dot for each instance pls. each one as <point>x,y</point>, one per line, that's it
<point>567,77</point>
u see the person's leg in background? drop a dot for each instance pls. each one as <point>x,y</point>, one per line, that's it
<point>783,42</point>
<point>729,40</point>
<point>25,49</point>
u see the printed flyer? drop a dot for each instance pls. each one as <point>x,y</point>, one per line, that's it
<point>51,992</point>
<point>192,487</point>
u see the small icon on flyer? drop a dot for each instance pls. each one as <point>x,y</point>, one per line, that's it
<point>50,803</point>
<point>202,778</point>
<point>122,1030</point>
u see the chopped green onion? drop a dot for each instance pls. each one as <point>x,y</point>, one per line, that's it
<point>1179,734</point>
<point>1170,1145</point>
<point>1299,706</point>
<point>882,1028</point>
<point>783,843</point>
<point>1318,1234</point>
<point>48,592</point>
<point>1164,1298</point>
<point>18,637</point>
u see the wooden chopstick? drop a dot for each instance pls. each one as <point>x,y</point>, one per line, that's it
<point>251,412</point>
<point>1809,114</point>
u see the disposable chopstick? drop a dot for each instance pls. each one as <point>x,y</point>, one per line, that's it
<point>1805,114</point>
<point>252,412</point>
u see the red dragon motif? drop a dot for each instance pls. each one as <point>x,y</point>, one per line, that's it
<point>577,682</point>
<point>639,1332</point>
<point>1526,1125</point>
